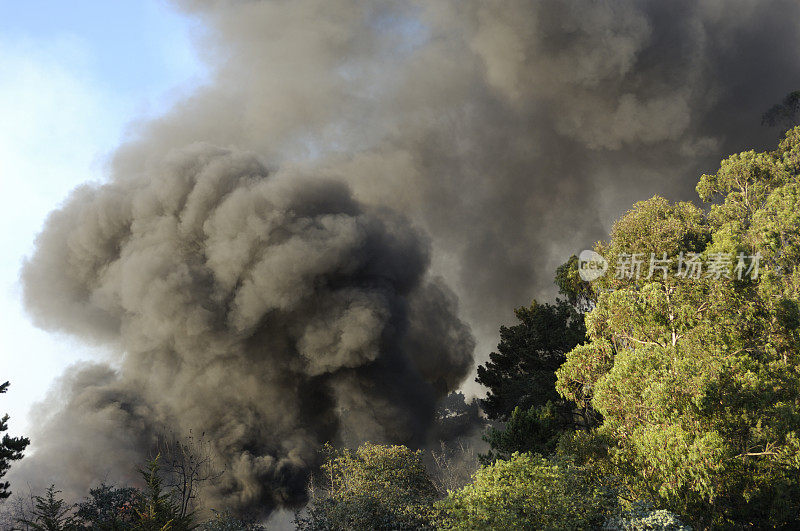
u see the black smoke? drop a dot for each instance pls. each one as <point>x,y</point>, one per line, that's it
<point>271,312</point>
<point>514,132</point>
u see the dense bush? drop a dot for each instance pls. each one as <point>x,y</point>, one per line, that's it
<point>527,492</point>
<point>373,487</point>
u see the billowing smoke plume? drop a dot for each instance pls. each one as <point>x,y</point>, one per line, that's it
<point>512,132</point>
<point>271,312</point>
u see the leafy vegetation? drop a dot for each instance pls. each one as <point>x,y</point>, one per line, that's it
<point>522,371</point>
<point>527,492</point>
<point>50,513</point>
<point>158,509</point>
<point>110,508</point>
<point>697,378</point>
<point>373,487</point>
<point>521,375</point>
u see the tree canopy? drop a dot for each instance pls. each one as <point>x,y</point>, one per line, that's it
<point>696,373</point>
<point>520,377</point>
<point>522,371</point>
<point>373,487</point>
<point>527,492</point>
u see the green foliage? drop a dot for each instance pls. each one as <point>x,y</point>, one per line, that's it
<point>654,226</point>
<point>520,376</point>
<point>535,430</point>
<point>577,292</point>
<point>110,508</point>
<point>744,181</point>
<point>584,366</point>
<point>698,379</point>
<point>644,518</point>
<point>51,513</point>
<point>373,487</point>
<point>522,371</point>
<point>527,492</point>
<point>11,449</point>
<point>157,509</point>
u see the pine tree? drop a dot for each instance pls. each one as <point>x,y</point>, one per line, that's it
<point>109,508</point>
<point>51,513</point>
<point>157,509</point>
<point>11,449</point>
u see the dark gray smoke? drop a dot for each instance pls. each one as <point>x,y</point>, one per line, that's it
<point>512,132</point>
<point>270,311</point>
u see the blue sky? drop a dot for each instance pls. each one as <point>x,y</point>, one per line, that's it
<point>73,75</point>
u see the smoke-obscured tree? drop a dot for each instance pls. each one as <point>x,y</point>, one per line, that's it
<point>109,508</point>
<point>373,487</point>
<point>157,508</point>
<point>186,465</point>
<point>576,291</point>
<point>698,379</point>
<point>456,418</point>
<point>225,521</point>
<point>16,508</point>
<point>522,371</point>
<point>11,449</point>
<point>453,466</point>
<point>51,513</point>
<point>527,492</point>
<point>785,114</point>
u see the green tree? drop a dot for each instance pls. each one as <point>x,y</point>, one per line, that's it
<point>520,376</point>
<point>576,291</point>
<point>109,508</point>
<point>51,513</point>
<point>536,430</point>
<point>698,379</point>
<point>11,449</point>
<point>642,517</point>
<point>373,487</point>
<point>157,508</point>
<point>527,492</point>
<point>522,371</point>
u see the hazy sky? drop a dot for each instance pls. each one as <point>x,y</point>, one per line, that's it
<point>73,76</point>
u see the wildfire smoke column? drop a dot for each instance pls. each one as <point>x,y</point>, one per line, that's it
<point>269,310</point>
